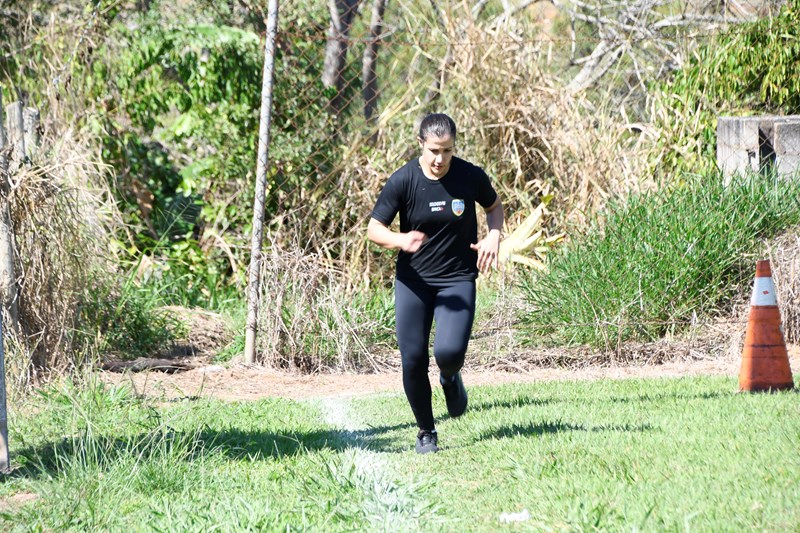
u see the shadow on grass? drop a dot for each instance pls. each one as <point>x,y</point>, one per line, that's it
<point>661,396</point>
<point>509,403</point>
<point>533,430</point>
<point>103,451</point>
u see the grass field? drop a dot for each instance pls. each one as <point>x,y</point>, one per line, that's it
<point>611,455</point>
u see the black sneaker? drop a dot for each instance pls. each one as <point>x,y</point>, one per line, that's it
<point>427,441</point>
<point>454,394</point>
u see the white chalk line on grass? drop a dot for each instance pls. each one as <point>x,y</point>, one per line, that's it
<point>387,503</point>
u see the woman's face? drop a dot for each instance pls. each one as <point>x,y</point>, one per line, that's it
<point>437,152</point>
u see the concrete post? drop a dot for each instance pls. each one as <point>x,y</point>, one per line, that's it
<point>786,143</point>
<point>737,145</point>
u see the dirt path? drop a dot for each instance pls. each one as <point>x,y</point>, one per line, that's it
<point>241,382</point>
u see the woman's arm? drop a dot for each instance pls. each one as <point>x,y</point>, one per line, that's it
<point>381,235</point>
<point>488,248</point>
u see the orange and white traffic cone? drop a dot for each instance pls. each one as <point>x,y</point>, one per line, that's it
<point>765,361</point>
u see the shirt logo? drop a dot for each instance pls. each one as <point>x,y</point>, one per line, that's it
<point>458,207</point>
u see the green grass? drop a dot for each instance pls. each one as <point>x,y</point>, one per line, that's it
<point>645,455</point>
<point>126,319</point>
<point>659,259</point>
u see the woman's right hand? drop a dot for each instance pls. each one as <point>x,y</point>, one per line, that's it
<point>413,241</point>
<point>381,235</point>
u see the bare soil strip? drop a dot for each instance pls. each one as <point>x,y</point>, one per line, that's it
<point>241,382</point>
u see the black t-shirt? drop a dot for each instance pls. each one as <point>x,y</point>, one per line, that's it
<point>442,209</point>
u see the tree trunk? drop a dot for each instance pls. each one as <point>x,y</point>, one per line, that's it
<point>369,74</point>
<point>342,14</point>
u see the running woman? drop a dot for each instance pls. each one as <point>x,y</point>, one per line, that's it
<point>439,259</point>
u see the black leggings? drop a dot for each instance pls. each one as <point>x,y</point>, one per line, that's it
<point>417,304</point>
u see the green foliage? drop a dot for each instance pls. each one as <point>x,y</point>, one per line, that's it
<point>752,69</point>
<point>185,274</point>
<point>659,259</point>
<point>181,126</point>
<point>182,120</point>
<point>236,322</point>
<point>127,321</point>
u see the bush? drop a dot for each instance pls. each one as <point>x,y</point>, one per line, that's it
<point>658,260</point>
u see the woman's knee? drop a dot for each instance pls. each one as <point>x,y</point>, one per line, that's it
<point>415,363</point>
<point>450,359</point>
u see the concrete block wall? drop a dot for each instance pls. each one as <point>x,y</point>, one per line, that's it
<point>759,144</point>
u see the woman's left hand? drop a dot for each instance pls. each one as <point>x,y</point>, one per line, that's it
<point>488,249</point>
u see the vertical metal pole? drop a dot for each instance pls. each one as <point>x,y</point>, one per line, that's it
<point>4,462</point>
<point>261,185</point>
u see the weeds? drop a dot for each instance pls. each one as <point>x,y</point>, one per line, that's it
<point>784,254</point>
<point>130,321</point>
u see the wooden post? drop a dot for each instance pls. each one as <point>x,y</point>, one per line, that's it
<point>254,281</point>
<point>3,139</point>
<point>16,134</point>
<point>30,119</point>
<point>8,281</point>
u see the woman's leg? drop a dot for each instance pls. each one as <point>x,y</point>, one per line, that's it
<point>454,313</point>
<point>414,313</point>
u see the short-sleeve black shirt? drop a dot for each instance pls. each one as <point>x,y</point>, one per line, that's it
<point>442,209</point>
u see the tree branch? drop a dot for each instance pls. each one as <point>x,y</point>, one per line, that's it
<point>507,14</point>
<point>477,9</point>
<point>600,61</point>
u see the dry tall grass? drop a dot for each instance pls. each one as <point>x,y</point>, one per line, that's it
<point>62,212</point>
<point>62,216</point>
<point>308,321</point>
<point>516,119</point>
<point>535,137</point>
<point>784,255</point>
